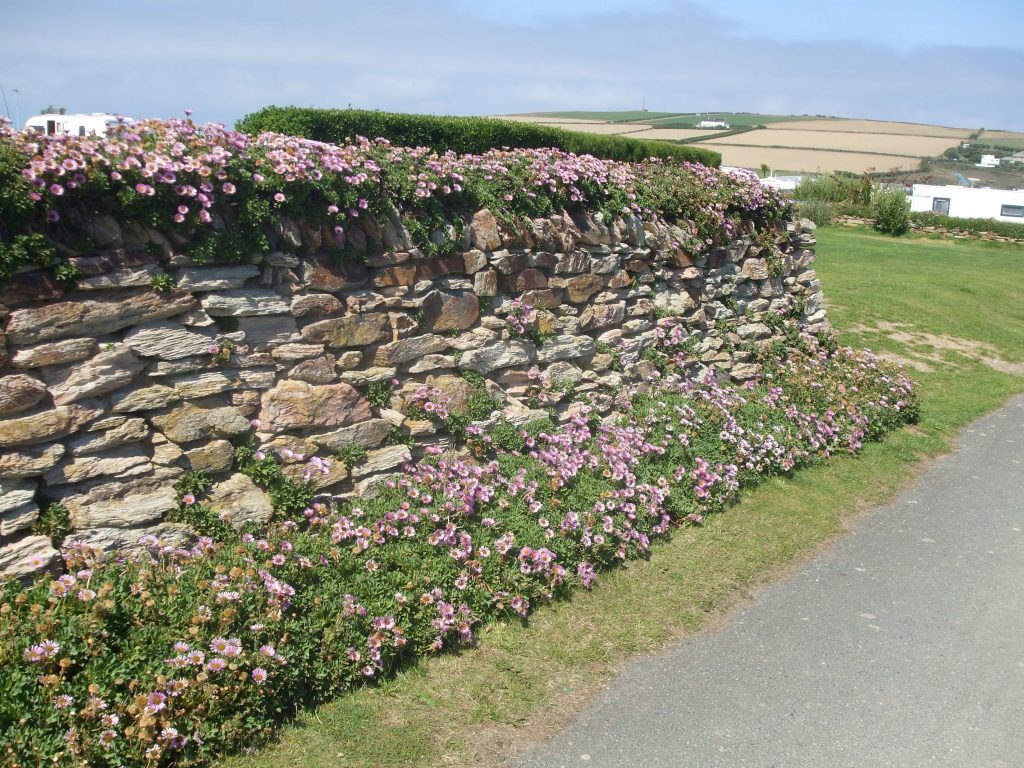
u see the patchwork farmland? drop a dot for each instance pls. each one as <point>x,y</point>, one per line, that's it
<point>786,142</point>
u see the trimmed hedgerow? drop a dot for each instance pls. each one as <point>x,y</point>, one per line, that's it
<point>195,650</point>
<point>462,135</point>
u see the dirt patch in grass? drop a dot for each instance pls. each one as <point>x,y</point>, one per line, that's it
<point>924,349</point>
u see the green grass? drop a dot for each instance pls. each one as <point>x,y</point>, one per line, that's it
<point>678,119</point>
<point>1009,143</point>
<point>735,119</point>
<point>524,683</point>
<point>625,116</point>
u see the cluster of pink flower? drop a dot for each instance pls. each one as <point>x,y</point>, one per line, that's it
<point>520,318</point>
<point>198,174</point>
<point>465,539</point>
<point>431,401</point>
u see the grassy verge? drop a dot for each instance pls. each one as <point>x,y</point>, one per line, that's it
<point>522,684</point>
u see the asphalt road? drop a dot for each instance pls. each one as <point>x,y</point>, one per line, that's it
<point>900,646</point>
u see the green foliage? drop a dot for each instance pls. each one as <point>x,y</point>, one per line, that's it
<point>820,212</point>
<point>891,212</point>
<point>464,135</point>
<point>54,521</point>
<point>162,283</point>
<point>195,482</point>
<point>480,405</point>
<point>351,454</point>
<point>456,425</point>
<point>396,436</point>
<point>969,226</point>
<point>22,251</point>
<point>225,349</point>
<point>838,187</point>
<point>67,272</point>
<point>287,496</point>
<point>326,599</point>
<point>191,488</point>
<point>378,393</point>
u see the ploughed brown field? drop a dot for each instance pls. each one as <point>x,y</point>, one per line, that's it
<point>812,160</point>
<point>875,143</point>
<point>812,145</point>
<point>875,126</point>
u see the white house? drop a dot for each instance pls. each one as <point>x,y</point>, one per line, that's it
<point>988,161</point>
<point>713,124</point>
<point>95,124</point>
<point>969,203</point>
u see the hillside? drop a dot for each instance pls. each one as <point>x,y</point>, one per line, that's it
<point>792,143</point>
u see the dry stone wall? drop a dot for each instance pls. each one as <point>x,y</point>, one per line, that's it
<point>110,390</point>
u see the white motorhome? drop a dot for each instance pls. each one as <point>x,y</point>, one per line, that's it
<point>969,203</point>
<point>55,123</point>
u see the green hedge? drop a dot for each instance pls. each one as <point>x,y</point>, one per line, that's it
<point>974,226</point>
<point>464,135</point>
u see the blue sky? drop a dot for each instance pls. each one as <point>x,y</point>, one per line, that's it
<point>944,62</point>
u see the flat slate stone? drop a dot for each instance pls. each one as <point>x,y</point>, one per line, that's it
<point>294,404</point>
<point>124,461</point>
<point>215,278</point>
<point>369,434</point>
<point>239,501</point>
<point>268,331</point>
<point>167,341</point>
<point>44,426</point>
<point>133,509</point>
<point>501,354</point>
<point>97,315</point>
<point>53,353</point>
<point>127,431</point>
<point>25,556</point>
<point>110,370</point>
<point>190,422</point>
<point>16,493</point>
<point>30,461</point>
<point>245,303</point>
<point>349,331</point>
<point>19,520</point>
<point>410,349</point>
<point>146,399</point>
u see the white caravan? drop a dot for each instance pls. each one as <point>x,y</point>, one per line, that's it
<point>969,202</point>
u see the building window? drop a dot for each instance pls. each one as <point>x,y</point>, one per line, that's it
<point>940,205</point>
<point>1012,210</point>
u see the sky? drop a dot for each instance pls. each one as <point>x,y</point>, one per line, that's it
<point>943,62</point>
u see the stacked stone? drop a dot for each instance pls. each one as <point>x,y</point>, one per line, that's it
<point>110,390</point>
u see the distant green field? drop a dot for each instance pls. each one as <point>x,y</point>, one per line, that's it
<point>635,115</point>
<point>1001,142</point>
<point>679,119</point>
<point>735,119</point>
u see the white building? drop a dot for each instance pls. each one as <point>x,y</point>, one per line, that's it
<point>53,123</point>
<point>988,161</point>
<point>782,183</point>
<point>713,124</point>
<point>969,203</point>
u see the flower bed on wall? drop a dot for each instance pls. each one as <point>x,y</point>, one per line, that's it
<point>223,191</point>
<point>197,650</point>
